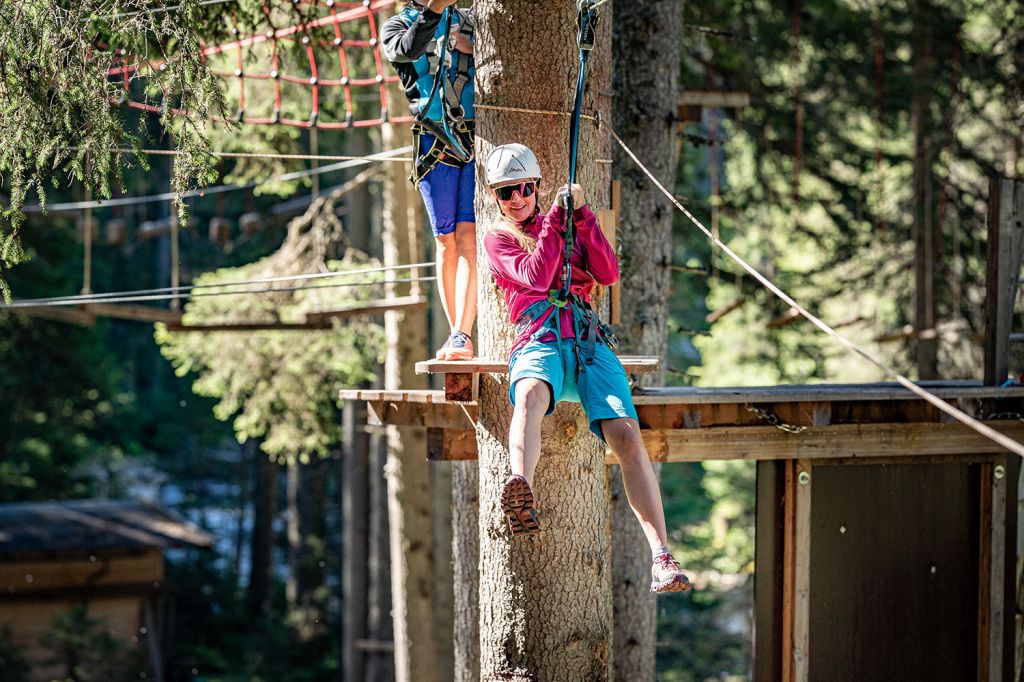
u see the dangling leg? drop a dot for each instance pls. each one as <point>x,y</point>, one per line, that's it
<point>642,491</point>
<point>532,397</point>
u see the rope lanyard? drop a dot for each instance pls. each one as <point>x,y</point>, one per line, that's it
<point>586,21</point>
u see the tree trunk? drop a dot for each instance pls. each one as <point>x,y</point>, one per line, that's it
<point>922,65</point>
<point>408,472</point>
<point>380,666</point>
<point>646,50</point>
<point>355,539</point>
<point>306,508</point>
<point>466,570</point>
<point>264,510</point>
<point>546,599</point>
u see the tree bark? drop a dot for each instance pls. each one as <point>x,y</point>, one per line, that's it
<point>466,570</point>
<point>355,539</point>
<point>923,68</point>
<point>646,55</point>
<point>306,507</point>
<point>545,599</point>
<point>407,471</point>
<point>264,510</point>
<point>380,667</point>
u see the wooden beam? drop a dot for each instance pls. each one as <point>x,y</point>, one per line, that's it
<point>837,441</point>
<point>802,572</point>
<point>250,327</point>
<point>133,312</point>
<point>714,98</point>
<point>1005,251</point>
<point>373,307</point>
<point>70,315</point>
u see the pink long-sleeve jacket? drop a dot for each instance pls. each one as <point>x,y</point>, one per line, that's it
<point>526,278</point>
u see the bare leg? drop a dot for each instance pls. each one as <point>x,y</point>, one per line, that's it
<point>642,491</point>
<point>465,280</point>
<point>447,257</point>
<point>532,399</point>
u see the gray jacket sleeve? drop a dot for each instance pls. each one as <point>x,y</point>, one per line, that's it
<point>405,42</point>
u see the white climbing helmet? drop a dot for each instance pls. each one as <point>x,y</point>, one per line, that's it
<point>510,163</point>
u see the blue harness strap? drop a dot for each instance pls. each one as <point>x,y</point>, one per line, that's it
<point>585,325</point>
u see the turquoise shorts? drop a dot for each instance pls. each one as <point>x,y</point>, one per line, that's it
<point>602,388</point>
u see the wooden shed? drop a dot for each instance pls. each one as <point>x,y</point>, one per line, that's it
<point>106,555</point>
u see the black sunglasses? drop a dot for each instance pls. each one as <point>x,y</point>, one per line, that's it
<point>525,189</point>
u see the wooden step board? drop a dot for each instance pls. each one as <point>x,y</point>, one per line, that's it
<point>461,377</point>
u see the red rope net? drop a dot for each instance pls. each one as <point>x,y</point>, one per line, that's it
<point>275,85</point>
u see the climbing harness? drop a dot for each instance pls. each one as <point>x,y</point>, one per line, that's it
<point>447,112</point>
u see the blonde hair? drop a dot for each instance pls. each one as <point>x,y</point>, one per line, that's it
<point>507,226</point>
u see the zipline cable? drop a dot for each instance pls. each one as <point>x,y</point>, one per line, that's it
<point>959,415</point>
<point>80,299</point>
<point>171,297</point>
<point>350,162</point>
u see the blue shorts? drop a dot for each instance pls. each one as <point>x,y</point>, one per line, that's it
<point>447,193</point>
<point>602,388</point>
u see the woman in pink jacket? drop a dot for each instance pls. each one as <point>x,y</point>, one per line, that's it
<point>560,351</point>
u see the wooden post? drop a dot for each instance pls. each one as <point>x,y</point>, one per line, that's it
<point>87,240</point>
<point>1005,250</point>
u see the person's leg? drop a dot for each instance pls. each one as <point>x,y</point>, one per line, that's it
<point>446,256</point>
<point>535,375</point>
<point>439,189</point>
<point>623,436</point>
<point>532,398</point>
<point>465,280</point>
<point>465,239</point>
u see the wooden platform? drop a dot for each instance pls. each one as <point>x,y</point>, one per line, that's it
<point>461,378</point>
<point>828,421</point>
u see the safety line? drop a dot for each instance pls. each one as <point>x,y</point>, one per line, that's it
<point>959,415</point>
<point>542,112</point>
<point>380,156</point>
<point>155,10</point>
<point>103,297</point>
<point>168,297</point>
<point>353,162</point>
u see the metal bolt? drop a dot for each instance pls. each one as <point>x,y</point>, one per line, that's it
<point>842,529</point>
<point>804,477</point>
<point>999,472</point>
<point>934,570</point>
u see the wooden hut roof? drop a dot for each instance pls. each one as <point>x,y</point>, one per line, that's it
<point>52,529</point>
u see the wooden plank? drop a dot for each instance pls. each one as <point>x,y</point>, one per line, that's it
<point>788,569</point>
<point>992,567</point>
<point>837,440</point>
<point>136,313</point>
<point>250,327</point>
<point>893,555</point>
<point>1005,249</point>
<point>609,224</point>
<point>948,390</point>
<point>451,445</point>
<point>57,314</point>
<point>633,364</point>
<point>849,442</point>
<point>802,572</point>
<point>769,549</point>
<point>441,416</point>
<point>461,388</point>
<point>714,98</point>
<point>373,307</point>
